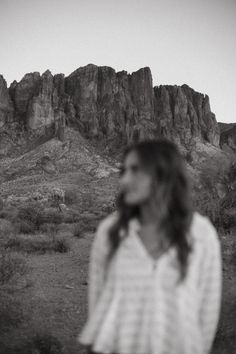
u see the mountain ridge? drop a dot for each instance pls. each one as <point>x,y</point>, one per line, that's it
<point>113,107</point>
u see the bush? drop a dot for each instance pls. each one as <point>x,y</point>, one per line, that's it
<point>208,204</point>
<point>207,200</point>
<point>11,265</point>
<point>1,204</point>
<point>40,244</point>
<point>228,219</point>
<point>71,197</point>
<point>11,313</point>
<point>72,218</point>
<point>189,157</point>
<point>25,227</point>
<point>61,245</point>
<point>9,213</point>
<point>6,228</point>
<point>49,228</point>
<point>233,257</point>
<point>41,343</point>
<point>29,219</point>
<point>29,213</point>
<point>79,228</point>
<point>50,216</point>
<point>229,201</point>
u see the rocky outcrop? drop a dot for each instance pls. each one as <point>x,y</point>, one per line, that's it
<point>228,139</point>
<point>183,114</point>
<point>225,126</point>
<point>113,107</point>
<point>6,105</point>
<point>39,101</point>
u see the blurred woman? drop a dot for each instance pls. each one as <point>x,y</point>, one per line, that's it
<point>155,272</point>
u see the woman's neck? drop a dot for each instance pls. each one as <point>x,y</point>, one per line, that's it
<point>150,214</point>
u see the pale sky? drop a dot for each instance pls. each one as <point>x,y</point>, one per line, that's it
<point>189,42</point>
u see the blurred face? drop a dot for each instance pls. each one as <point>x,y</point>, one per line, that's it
<point>135,182</point>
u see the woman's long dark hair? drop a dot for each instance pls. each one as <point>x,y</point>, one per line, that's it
<point>162,158</point>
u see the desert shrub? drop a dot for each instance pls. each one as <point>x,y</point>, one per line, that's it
<point>49,228</point>
<point>50,216</point>
<point>40,244</point>
<point>6,228</point>
<point>233,256</point>
<point>71,218</point>
<point>31,218</point>
<point>71,197</point>
<point>208,204</point>
<point>61,245</point>
<point>228,219</point>
<point>25,227</point>
<point>212,173</point>
<point>11,312</point>
<point>9,213</point>
<point>30,214</point>
<point>229,201</point>
<point>11,265</point>
<point>41,343</point>
<point>189,157</point>
<point>78,229</point>
<point>1,204</point>
<point>3,214</point>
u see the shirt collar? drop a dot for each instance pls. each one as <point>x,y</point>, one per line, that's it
<point>134,224</point>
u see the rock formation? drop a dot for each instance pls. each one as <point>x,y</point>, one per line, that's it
<point>228,139</point>
<point>6,105</point>
<point>113,107</point>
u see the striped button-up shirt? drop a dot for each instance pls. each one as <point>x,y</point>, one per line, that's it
<point>134,304</point>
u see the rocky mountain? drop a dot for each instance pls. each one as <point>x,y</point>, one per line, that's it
<point>114,108</point>
<point>69,132</point>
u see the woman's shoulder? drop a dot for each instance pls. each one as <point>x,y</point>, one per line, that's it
<point>203,230</point>
<point>104,225</point>
<point>108,220</point>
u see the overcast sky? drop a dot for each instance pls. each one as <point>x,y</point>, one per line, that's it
<point>189,42</point>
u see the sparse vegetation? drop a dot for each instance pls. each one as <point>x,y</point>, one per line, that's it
<point>11,312</point>
<point>40,244</point>
<point>11,265</point>
<point>79,228</point>
<point>71,197</point>
<point>41,343</point>
<point>72,217</point>
<point>25,227</point>
<point>208,201</point>
<point>1,204</point>
<point>6,228</point>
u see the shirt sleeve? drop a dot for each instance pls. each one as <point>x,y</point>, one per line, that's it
<point>211,287</point>
<point>97,265</point>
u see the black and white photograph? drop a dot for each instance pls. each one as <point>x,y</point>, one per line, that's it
<point>117,177</point>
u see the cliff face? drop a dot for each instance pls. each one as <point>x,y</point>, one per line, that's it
<point>109,104</point>
<point>114,107</point>
<point>38,99</point>
<point>6,105</point>
<point>228,139</point>
<point>185,113</point>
